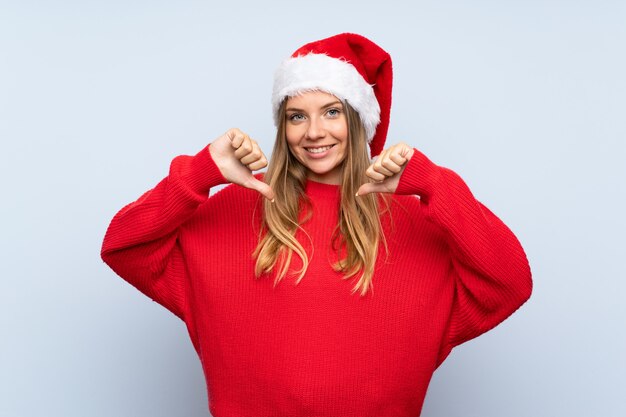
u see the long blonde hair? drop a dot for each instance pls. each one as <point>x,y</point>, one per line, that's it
<point>359,230</point>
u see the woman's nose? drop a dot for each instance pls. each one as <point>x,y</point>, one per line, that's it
<point>315,129</point>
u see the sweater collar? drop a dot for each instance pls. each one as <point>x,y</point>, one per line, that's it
<point>320,191</point>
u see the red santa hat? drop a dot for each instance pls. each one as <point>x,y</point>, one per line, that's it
<point>348,66</point>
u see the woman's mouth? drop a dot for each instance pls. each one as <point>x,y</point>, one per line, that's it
<point>318,149</point>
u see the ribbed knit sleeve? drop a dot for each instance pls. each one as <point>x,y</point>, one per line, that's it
<point>492,273</point>
<point>141,243</point>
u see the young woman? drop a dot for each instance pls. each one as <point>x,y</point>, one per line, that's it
<point>330,286</point>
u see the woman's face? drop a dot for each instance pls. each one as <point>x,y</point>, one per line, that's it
<point>317,134</point>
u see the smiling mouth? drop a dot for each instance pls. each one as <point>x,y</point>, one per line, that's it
<point>319,149</point>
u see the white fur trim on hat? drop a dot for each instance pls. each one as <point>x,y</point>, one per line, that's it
<point>335,76</point>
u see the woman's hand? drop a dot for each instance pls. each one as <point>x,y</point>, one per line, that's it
<point>236,156</point>
<point>385,172</point>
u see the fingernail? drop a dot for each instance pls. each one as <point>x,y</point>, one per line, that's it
<point>357,194</point>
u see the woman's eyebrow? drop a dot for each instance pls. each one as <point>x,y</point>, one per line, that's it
<point>334,103</point>
<point>323,107</point>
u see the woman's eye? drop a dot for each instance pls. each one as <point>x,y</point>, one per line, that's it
<point>296,117</point>
<point>333,112</point>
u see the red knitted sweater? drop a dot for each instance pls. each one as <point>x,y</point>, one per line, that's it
<point>313,349</point>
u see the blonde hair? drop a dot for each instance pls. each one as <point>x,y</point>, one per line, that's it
<point>359,230</point>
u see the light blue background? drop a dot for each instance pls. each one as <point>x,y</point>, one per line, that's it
<point>526,100</point>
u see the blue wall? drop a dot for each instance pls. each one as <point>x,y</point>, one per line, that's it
<point>524,99</point>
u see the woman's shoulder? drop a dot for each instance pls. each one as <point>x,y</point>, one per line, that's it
<point>235,194</point>
<point>407,211</point>
<point>405,221</point>
<point>410,204</point>
<point>231,204</point>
